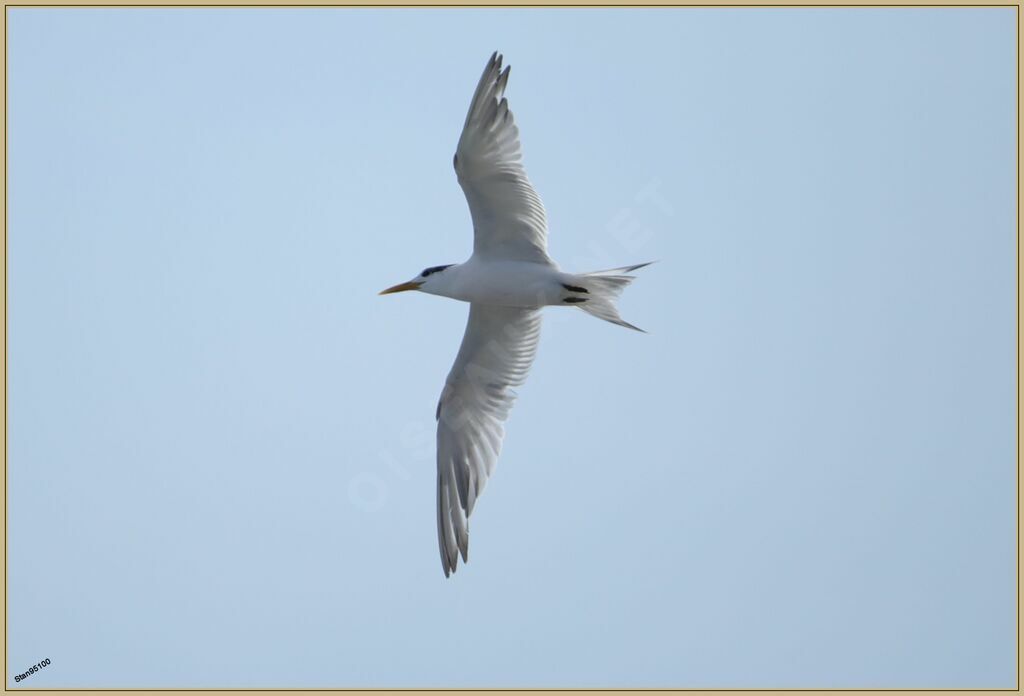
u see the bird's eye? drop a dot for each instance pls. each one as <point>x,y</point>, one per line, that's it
<point>425,273</point>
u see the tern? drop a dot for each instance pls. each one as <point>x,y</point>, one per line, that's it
<point>507,280</point>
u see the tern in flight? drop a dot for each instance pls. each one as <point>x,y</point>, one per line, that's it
<point>506,281</point>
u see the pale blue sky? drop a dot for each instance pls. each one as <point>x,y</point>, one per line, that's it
<point>220,437</point>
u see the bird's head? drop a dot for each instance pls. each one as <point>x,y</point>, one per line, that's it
<point>424,282</point>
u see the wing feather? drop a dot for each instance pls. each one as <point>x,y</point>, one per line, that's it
<point>508,216</point>
<point>497,352</point>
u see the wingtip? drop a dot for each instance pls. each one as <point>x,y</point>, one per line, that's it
<point>502,80</point>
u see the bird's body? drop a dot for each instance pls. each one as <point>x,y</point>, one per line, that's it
<point>507,280</point>
<point>501,283</point>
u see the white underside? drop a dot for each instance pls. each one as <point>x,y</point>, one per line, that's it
<point>500,283</point>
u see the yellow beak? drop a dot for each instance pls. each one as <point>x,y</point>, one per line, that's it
<point>401,287</point>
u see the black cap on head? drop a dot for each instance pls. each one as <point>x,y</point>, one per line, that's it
<point>434,269</point>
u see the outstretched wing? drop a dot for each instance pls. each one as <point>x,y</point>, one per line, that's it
<point>508,216</point>
<point>497,351</point>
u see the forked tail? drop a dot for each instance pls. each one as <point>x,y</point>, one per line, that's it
<point>596,292</point>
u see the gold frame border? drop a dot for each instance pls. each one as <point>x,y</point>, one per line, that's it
<point>749,4</point>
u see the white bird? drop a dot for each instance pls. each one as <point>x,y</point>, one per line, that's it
<point>507,280</point>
